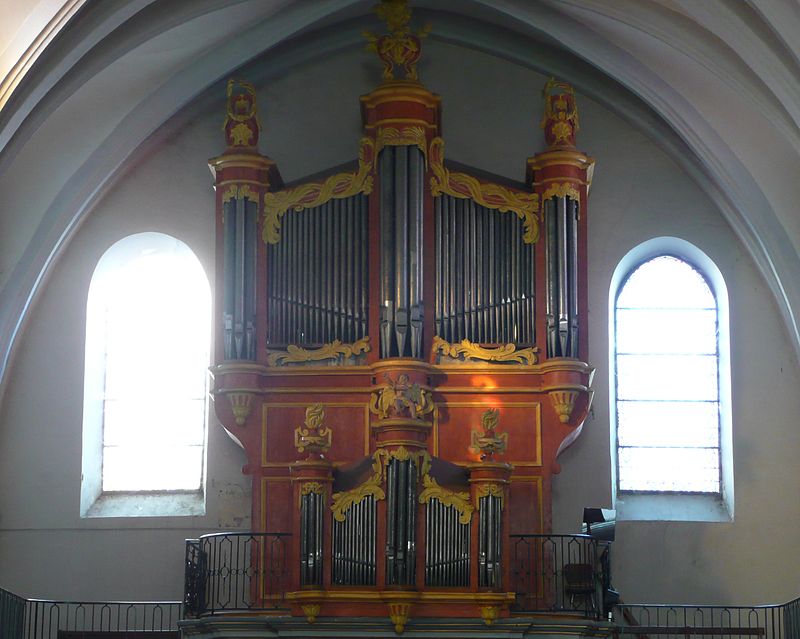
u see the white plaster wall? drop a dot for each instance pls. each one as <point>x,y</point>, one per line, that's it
<point>490,120</point>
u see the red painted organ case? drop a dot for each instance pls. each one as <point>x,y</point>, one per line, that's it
<point>401,352</point>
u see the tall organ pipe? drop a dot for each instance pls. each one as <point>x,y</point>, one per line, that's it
<point>561,224</point>
<point>239,265</point>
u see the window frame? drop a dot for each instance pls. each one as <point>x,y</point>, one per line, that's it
<point>94,501</point>
<point>678,505</point>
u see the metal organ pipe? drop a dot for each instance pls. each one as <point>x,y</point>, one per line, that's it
<point>238,315</point>
<point>561,224</point>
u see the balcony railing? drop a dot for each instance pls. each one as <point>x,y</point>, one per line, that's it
<point>236,572</point>
<point>558,574</point>
<point>709,622</point>
<point>46,619</point>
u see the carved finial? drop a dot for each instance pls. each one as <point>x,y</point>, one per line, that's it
<point>399,47</point>
<point>489,442</point>
<point>560,119</point>
<point>399,398</point>
<point>315,437</point>
<point>241,124</point>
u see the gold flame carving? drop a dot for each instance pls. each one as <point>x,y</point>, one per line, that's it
<point>489,442</point>
<point>492,196</point>
<point>334,350</point>
<point>469,350</point>
<point>313,436</point>
<point>338,186</point>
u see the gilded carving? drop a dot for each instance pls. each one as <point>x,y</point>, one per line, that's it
<point>489,441</point>
<point>492,196</point>
<point>489,490</point>
<point>399,47</point>
<point>560,118</point>
<point>406,136</point>
<point>311,487</point>
<point>458,500</point>
<point>311,611</point>
<point>334,350</point>
<point>490,614</point>
<point>241,123</point>
<point>562,189</point>
<point>313,436</point>
<point>469,350</point>
<point>343,501</point>
<point>398,613</point>
<point>340,185</point>
<point>399,398</point>
<point>240,191</point>
<point>240,406</point>
<point>563,403</point>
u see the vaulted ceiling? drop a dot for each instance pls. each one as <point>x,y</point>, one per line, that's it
<point>715,83</point>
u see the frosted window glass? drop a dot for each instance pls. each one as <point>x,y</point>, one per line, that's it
<point>668,331</point>
<point>666,282</point>
<point>675,377</point>
<point>156,306</point>
<point>669,469</point>
<point>667,380</point>
<point>675,424</point>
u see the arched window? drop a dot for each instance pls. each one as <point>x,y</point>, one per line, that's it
<point>147,352</point>
<point>670,375</point>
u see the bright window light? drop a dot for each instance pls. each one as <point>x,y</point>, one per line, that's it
<point>153,307</point>
<point>667,380</point>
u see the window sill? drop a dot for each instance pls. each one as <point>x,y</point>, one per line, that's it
<point>663,507</point>
<point>177,504</point>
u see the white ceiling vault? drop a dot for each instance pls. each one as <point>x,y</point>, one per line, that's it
<point>716,83</point>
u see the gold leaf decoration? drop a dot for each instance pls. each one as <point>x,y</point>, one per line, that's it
<point>469,350</point>
<point>334,350</point>
<point>239,191</point>
<point>489,490</point>
<point>562,189</point>
<point>343,501</point>
<point>338,186</point>
<point>489,442</point>
<point>240,406</point>
<point>399,398</point>
<point>458,500</point>
<point>407,136</point>
<point>313,436</point>
<point>492,196</point>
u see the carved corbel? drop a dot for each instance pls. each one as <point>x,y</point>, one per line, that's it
<point>240,406</point>
<point>398,613</point>
<point>564,403</point>
<point>490,614</point>
<point>311,611</point>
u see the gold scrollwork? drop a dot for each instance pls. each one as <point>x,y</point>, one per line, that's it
<point>315,437</point>
<point>407,136</point>
<point>340,185</point>
<point>343,501</point>
<point>399,398</point>
<point>334,350</point>
<point>506,353</point>
<point>311,488</point>
<point>458,500</point>
<point>490,614</point>
<point>492,196</point>
<point>562,189</point>
<point>489,490</point>
<point>238,191</point>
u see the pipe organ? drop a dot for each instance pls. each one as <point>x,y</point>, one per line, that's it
<point>401,350</point>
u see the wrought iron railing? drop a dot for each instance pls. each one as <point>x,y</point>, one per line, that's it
<point>229,572</point>
<point>46,619</point>
<point>661,621</point>
<point>557,573</point>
